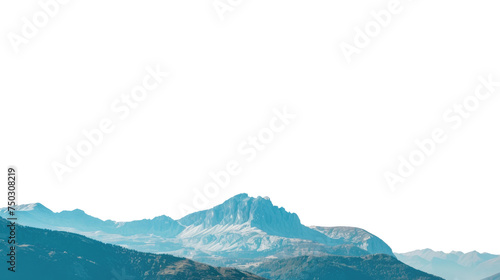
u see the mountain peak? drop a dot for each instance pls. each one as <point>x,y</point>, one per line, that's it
<point>257,212</point>
<point>75,211</point>
<point>240,196</point>
<point>32,207</point>
<point>235,210</point>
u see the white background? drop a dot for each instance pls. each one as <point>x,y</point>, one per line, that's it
<point>352,120</point>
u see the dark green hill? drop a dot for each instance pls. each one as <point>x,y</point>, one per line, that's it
<point>373,267</point>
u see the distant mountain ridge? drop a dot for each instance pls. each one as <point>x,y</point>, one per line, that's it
<point>37,215</point>
<point>242,229</point>
<point>454,265</point>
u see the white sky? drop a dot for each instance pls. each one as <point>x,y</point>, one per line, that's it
<point>352,120</point>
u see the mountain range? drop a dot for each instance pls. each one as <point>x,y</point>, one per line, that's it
<point>53,255</point>
<point>46,254</point>
<point>253,234</point>
<point>454,265</point>
<point>241,230</point>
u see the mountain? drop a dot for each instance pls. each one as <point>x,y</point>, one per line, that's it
<point>45,254</point>
<point>250,228</point>
<point>373,267</point>
<point>358,237</point>
<point>258,213</point>
<point>454,265</point>
<point>241,230</point>
<point>494,277</point>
